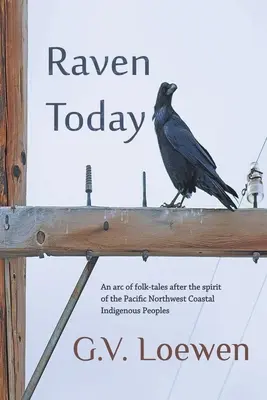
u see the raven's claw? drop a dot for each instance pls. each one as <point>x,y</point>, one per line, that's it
<point>167,205</point>
<point>179,205</point>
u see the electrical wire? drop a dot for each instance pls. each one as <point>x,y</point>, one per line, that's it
<point>202,306</point>
<point>261,150</point>
<point>242,336</point>
<point>191,334</point>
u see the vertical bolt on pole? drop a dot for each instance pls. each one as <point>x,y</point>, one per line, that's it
<point>144,190</point>
<point>88,184</point>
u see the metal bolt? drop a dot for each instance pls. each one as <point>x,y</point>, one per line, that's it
<point>106,226</point>
<point>7,226</point>
<point>88,180</point>
<point>144,190</point>
<point>89,255</point>
<point>255,256</point>
<point>88,184</point>
<point>145,255</point>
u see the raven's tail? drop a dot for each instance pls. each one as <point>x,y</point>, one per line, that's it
<point>219,192</point>
<point>214,188</point>
<point>227,188</point>
<point>231,191</point>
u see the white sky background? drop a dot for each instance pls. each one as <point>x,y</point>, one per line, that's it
<point>216,53</point>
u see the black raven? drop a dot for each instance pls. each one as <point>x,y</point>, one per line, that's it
<point>188,164</point>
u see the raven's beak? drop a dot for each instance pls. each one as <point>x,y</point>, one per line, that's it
<point>171,89</point>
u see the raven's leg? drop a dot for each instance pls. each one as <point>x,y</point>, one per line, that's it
<point>180,205</point>
<point>172,203</point>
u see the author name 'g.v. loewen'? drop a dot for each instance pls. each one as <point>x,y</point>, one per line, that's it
<point>162,352</point>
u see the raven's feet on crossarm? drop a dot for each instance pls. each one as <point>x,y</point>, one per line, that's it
<point>179,205</point>
<point>172,205</point>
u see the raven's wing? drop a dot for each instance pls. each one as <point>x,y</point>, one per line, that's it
<point>183,141</point>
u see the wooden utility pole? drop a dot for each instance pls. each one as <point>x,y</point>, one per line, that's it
<point>13,133</point>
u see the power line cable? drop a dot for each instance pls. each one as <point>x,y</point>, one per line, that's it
<point>242,336</point>
<point>191,334</point>
<point>261,150</point>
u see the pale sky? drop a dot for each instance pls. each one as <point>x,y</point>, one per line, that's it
<point>216,53</point>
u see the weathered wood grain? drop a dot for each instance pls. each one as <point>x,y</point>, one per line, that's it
<point>13,131</point>
<point>57,231</point>
<point>3,201</point>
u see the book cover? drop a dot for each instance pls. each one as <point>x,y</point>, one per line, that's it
<point>155,98</point>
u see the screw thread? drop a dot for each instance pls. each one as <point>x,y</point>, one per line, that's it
<point>88,179</point>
